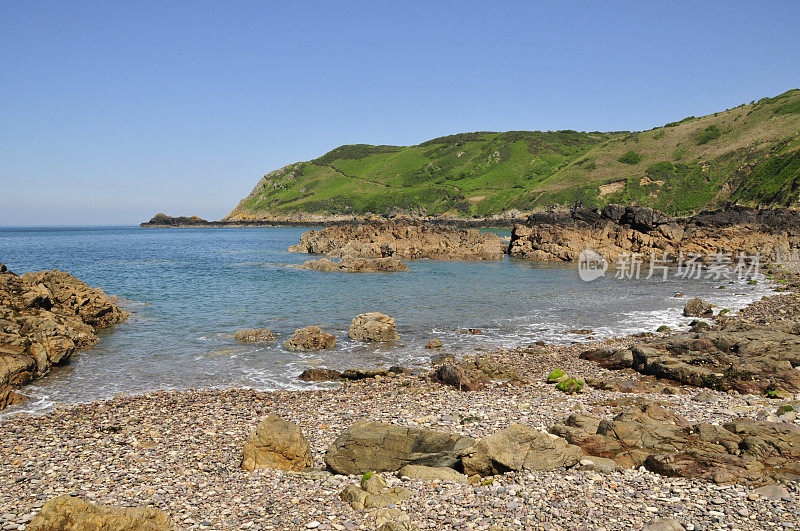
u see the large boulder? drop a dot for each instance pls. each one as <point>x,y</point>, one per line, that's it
<point>276,443</point>
<point>373,326</point>
<point>697,308</point>
<point>254,335</point>
<point>520,447</point>
<point>69,513</point>
<point>373,493</point>
<point>310,338</point>
<point>432,473</point>
<point>379,447</point>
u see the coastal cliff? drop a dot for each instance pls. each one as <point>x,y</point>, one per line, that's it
<point>45,318</point>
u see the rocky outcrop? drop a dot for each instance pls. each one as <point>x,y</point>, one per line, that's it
<point>67,512</point>
<point>736,355</point>
<point>44,319</point>
<point>373,326</point>
<point>276,443</point>
<point>742,451</point>
<point>310,338</point>
<point>618,230</point>
<point>254,335</point>
<point>380,447</point>
<point>163,220</point>
<point>520,447</point>
<point>357,265</point>
<point>401,240</point>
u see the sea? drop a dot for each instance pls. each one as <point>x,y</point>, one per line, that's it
<point>188,290</point>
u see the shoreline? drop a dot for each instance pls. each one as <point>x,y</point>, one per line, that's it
<point>147,449</point>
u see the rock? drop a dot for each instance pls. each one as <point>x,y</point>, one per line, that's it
<point>320,375</point>
<point>401,240</point>
<point>562,236</point>
<point>429,473</point>
<point>379,447</point>
<point>598,464</point>
<point>738,356</point>
<point>392,520</point>
<point>357,265</point>
<point>742,451</point>
<point>44,319</point>
<point>278,444</point>
<point>373,326</point>
<point>773,492</point>
<point>458,377</point>
<point>519,447</point>
<point>310,338</point>
<point>705,398</point>
<point>373,493</point>
<point>664,524</point>
<point>364,374</point>
<point>434,343</point>
<point>67,512</point>
<point>254,335</point>
<point>697,308</point>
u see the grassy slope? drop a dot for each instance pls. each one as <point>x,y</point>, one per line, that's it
<point>749,154</point>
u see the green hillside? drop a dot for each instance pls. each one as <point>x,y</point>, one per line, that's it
<point>749,154</point>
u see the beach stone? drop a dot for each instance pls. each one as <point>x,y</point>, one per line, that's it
<point>434,343</point>
<point>310,338</point>
<point>520,447</point>
<point>379,447</point>
<point>276,443</point>
<point>773,492</point>
<point>67,512</point>
<point>459,378</point>
<point>254,335</point>
<point>373,493</point>
<point>705,398</point>
<point>598,464</point>
<point>320,375</point>
<point>430,473</point>
<point>392,520</point>
<point>697,308</point>
<point>373,326</point>
<point>664,524</point>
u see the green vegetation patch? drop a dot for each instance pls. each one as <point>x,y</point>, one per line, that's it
<point>630,157</point>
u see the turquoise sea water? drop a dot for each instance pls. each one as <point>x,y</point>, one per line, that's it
<point>189,289</point>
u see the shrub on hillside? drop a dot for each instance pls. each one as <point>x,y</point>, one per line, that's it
<point>708,134</point>
<point>631,157</point>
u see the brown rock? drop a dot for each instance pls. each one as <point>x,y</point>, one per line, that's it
<point>276,443</point>
<point>373,326</point>
<point>697,308</point>
<point>379,447</point>
<point>357,265</point>
<point>310,338</point>
<point>69,513</point>
<point>401,240</point>
<point>520,447</point>
<point>320,375</point>
<point>254,335</point>
<point>434,343</point>
<point>459,378</point>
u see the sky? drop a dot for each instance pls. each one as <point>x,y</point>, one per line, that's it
<point>113,111</point>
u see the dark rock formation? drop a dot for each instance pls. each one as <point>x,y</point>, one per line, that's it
<point>163,220</point>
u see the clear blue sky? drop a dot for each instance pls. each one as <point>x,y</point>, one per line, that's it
<point>112,111</point>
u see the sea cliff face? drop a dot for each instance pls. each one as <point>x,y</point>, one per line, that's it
<point>45,318</point>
